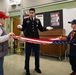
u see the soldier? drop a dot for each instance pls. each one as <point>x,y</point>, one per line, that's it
<point>4,37</point>
<point>30,27</point>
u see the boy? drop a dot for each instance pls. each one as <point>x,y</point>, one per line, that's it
<point>72,52</point>
<point>3,40</point>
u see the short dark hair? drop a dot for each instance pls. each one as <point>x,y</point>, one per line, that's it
<point>32,9</point>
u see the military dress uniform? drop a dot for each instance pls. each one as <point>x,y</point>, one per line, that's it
<point>30,28</point>
<point>72,52</point>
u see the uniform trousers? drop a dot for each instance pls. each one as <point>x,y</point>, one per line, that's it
<point>73,63</point>
<point>29,47</point>
<point>1,65</point>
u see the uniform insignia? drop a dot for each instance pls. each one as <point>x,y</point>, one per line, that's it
<point>27,21</point>
<point>36,25</point>
<point>37,21</point>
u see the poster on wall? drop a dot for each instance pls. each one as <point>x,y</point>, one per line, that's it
<point>55,19</point>
<point>41,17</point>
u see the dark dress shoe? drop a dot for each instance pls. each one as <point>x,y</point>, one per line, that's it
<point>37,70</point>
<point>72,73</point>
<point>27,73</point>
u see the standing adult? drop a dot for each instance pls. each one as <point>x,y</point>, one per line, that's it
<point>30,27</point>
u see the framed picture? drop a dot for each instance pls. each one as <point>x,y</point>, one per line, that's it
<point>41,18</point>
<point>55,19</point>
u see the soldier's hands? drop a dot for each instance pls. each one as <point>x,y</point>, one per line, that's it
<point>19,26</point>
<point>49,28</point>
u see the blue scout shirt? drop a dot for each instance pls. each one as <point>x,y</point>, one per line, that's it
<point>72,44</point>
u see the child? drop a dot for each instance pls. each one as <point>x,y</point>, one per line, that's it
<point>72,52</point>
<point>3,40</point>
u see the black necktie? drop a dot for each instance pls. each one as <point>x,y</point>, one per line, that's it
<point>32,19</point>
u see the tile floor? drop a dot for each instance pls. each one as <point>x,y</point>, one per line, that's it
<point>14,65</point>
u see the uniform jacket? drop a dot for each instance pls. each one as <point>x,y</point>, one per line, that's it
<point>30,27</point>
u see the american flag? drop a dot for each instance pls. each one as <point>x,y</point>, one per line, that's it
<point>42,40</point>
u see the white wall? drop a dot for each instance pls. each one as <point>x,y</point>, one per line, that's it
<point>68,15</point>
<point>2,5</point>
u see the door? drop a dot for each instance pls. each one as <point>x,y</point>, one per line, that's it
<point>16,21</point>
